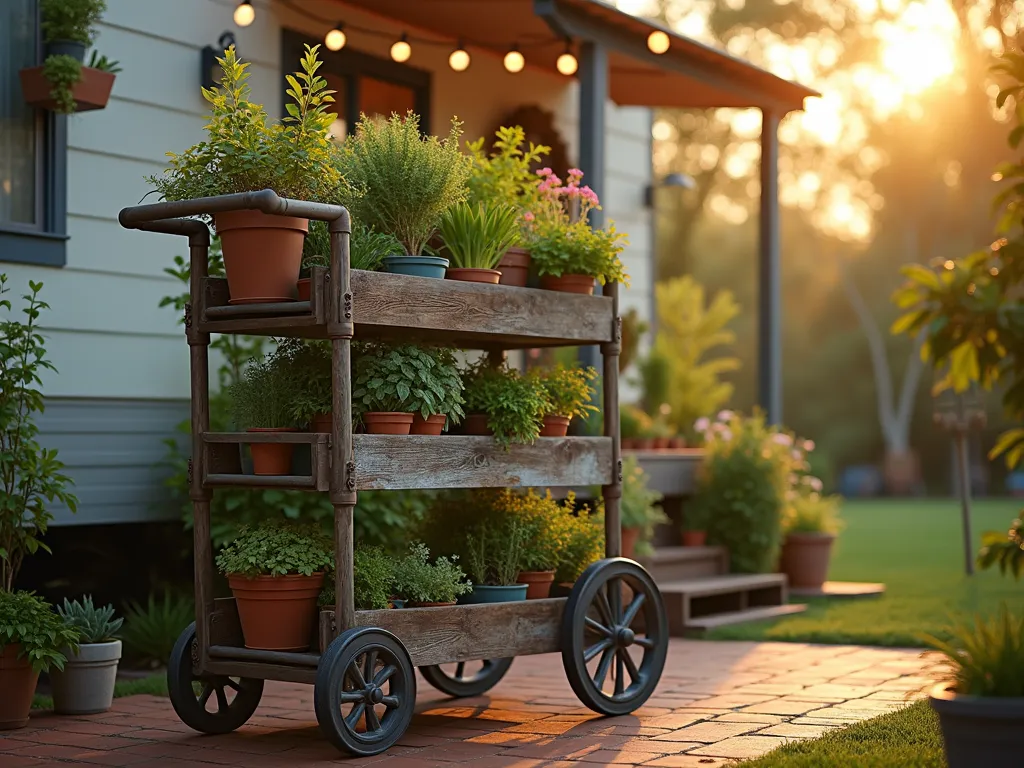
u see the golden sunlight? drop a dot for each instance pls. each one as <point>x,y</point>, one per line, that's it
<point>919,48</point>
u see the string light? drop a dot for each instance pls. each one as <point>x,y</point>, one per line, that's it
<point>401,50</point>
<point>657,42</point>
<point>244,13</point>
<point>335,39</point>
<point>566,63</point>
<point>458,59</point>
<point>514,61</point>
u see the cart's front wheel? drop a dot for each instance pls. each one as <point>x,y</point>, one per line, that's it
<point>208,703</point>
<point>365,691</point>
<point>614,636</point>
<point>465,680</point>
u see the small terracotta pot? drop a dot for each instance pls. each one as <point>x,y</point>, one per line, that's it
<point>272,458</point>
<point>805,558</point>
<point>430,605</point>
<point>476,424</point>
<point>676,443</point>
<point>432,425</point>
<point>695,538</point>
<point>473,275</point>
<point>304,288</point>
<point>538,583</point>
<point>276,612</point>
<point>627,443</point>
<point>387,423</point>
<point>568,284</point>
<point>555,426</point>
<point>515,267</point>
<point>18,683</point>
<point>660,443</point>
<point>262,255</point>
<point>91,92</point>
<point>629,539</point>
<point>644,444</point>
<point>322,422</point>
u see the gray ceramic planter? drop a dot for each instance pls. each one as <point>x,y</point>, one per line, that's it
<point>979,731</point>
<point>86,686</point>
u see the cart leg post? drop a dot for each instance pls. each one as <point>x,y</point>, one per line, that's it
<point>612,493</point>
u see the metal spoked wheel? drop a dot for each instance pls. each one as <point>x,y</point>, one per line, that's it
<point>614,637</point>
<point>208,703</point>
<point>463,679</point>
<point>365,691</point>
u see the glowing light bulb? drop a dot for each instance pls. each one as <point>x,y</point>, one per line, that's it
<point>514,61</point>
<point>458,60</point>
<point>401,50</point>
<point>335,39</point>
<point>657,41</point>
<point>567,64</point>
<point>244,13</point>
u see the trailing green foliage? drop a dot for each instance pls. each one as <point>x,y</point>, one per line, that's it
<point>420,581</point>
<point>42,635</point>
<point>273,548</point>
<point>1007,549</point>
<point>568,391</point>
<point>478,236</point>
<point>71,20</point>
<point>150,631</point>
<point>94,625</point>
<point>62,72</point>
<point>639,506</point>
<point>367,248</point>
<point>503,176</point>
<point>408,379</point>
<point>986,656</point>
<point>495,550</point>
<point>514,404</point>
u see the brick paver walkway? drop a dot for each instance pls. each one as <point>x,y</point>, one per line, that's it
<point>717,702</point>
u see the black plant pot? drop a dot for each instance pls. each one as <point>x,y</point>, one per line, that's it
<point>72,48</point>
<point>979,731</point>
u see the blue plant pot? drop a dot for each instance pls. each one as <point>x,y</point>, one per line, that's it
<point>416,266</point>
<point>72,48</point>
<point>487,594</point>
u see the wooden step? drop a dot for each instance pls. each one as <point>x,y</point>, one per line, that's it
<point>740,617</point>
<point>688,601</point>
<point>671,564</point>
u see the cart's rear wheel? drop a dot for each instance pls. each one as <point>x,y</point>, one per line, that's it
<point>465,680</point>
<point>614,636</point>
<point>365,691</point>
<point>208,703</point>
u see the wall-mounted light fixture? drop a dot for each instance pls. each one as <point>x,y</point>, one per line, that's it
<point>677,180</point>
<point>210,74</point>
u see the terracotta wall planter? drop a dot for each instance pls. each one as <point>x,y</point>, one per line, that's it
<point>555,426</point>
<point>979,731</point>
<point>91,92</point>
<point>18,683</point>
<point>432,425</point>
<point>262,255</point>
<point>695,538</point>
<point>387,423</point>
<point>630,536</point>
<point>276,612</point>
<point>805,558</point>
<point>515,267</point>
<point>568,284</point>
<point>271,458</point>
<point>538,583</point>
<point>476,424</point>
<point>472,275</point>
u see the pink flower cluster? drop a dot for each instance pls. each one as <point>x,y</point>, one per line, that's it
<point>551,187</point>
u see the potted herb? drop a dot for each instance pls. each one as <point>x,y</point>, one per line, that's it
<point>584,544</point>
<point>32,638</point>
<point>476,238</point>
<point>367,250</point>
<point>502,403</point>
<point>810,524</point>
<point>568,395</point>
<point>981,704</point>
<point>407,182</point>
<point>275,571</point>
<point>639,512</point>
<point>633,424</point>
<point>373,581</point>
<point>306,364</point>
<point>494,552</point>
<point>262,404</point>
<point>548,523</point>
<point>85,685</point>
<point>243,153</point>
<point>424,584</point>
<point>694,527</point>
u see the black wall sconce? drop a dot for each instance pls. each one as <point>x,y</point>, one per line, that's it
<point>210,70</point>
<point>677,180</point>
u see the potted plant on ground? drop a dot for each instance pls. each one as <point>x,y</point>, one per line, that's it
<point>426,585</point>
<point>407,182</point>
<point>568,395</point>
<point>477,238</point>
<point>502,403</point>
<point>981,704</point>
<point>367,250</point>
<point>694,528</point>
<point>639,512</point>
<point>584,544</point>
<point>85,685</point>
<point>275,571</point>
<point>32,638</point>
<point>262,404</point>
<point>494,551</point>
<point>243,153</point>
<point>810,524</point>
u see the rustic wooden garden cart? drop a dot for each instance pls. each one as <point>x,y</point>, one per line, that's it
<point>611,630</point>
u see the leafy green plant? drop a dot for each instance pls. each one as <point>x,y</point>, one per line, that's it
<point>477,237</point>
<point>514,404</point>
<point>638,508</point>
<point>408,379</point>
<point>655,371</point>
<point>262,399</point>
<point>306,364</point>
<point>984,657</point>
<point>546,522</point>
<point>811,512</point>
<point>1007,549</point>
<point>42,635</point>
<point>420,581</point>
<point>273,548</point>
<point>150,631</point>
<point>31,477</point>
<point>373,578</point>
<point>94,625</point>
<point>494,551</point>
<point>62,72</point>
<point>633,421</point>
<point>407,180</point>
<point>103,64</point>
<point>568,391</point>
<point>367,248</point>
<point>584,544</point>
<point>503,176</point>
<point>71,20</point>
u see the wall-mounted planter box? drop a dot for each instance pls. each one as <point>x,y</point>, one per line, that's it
<point>91,92</point>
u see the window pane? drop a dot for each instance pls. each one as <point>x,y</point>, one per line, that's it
<point>379,97</point>
<point>18,140</point>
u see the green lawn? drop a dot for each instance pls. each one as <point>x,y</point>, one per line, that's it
<point>908,738</point>
<point>915,548</point>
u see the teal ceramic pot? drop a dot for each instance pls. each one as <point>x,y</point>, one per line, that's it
<point>486,594</point>
<point>416,266</point>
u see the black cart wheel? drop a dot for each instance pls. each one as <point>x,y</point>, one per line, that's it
<point>461,682</point>
<point>208,703</point>
<point>365,691</point>
<point>614,636</point>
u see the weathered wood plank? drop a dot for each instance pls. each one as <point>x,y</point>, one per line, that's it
<point>464,632</point>
<point>285,482</point>
<point>225,628</point>
<point>265,437</point>
<point>389,462</point>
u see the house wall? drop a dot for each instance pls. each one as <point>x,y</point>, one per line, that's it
<point>122,363</point>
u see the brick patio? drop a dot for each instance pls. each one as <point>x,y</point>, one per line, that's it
<point>717,702</point>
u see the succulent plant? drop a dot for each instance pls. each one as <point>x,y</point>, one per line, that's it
<point>94,625</point>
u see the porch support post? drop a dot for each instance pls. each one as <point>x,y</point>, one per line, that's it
<point>769,327</point>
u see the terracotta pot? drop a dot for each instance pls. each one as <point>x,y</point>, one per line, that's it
<point>272,458</point>
<point>91,92</point>
<point>538,583</point>
<point>660,443</point>
<point>18,683</point>
<point>644,444</point>
<point>629,539</point>
<point>322,422</point>
<point>387,423</point>
<point>432,425</point>
<point>805,558</point>
<point>476,424</point>
<point>515,267</point>
<point>303,288</point>
<point>568,284</point>
<point>262,255</point>
<point>627,443</point>
<point>430,605</point>
<point>555,426</point>
<point>276,612</point>
<point>473,275</point>
<point>676,443</point>
<point>695,538</point>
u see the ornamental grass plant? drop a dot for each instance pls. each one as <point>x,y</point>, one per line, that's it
<point>478,236</point>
